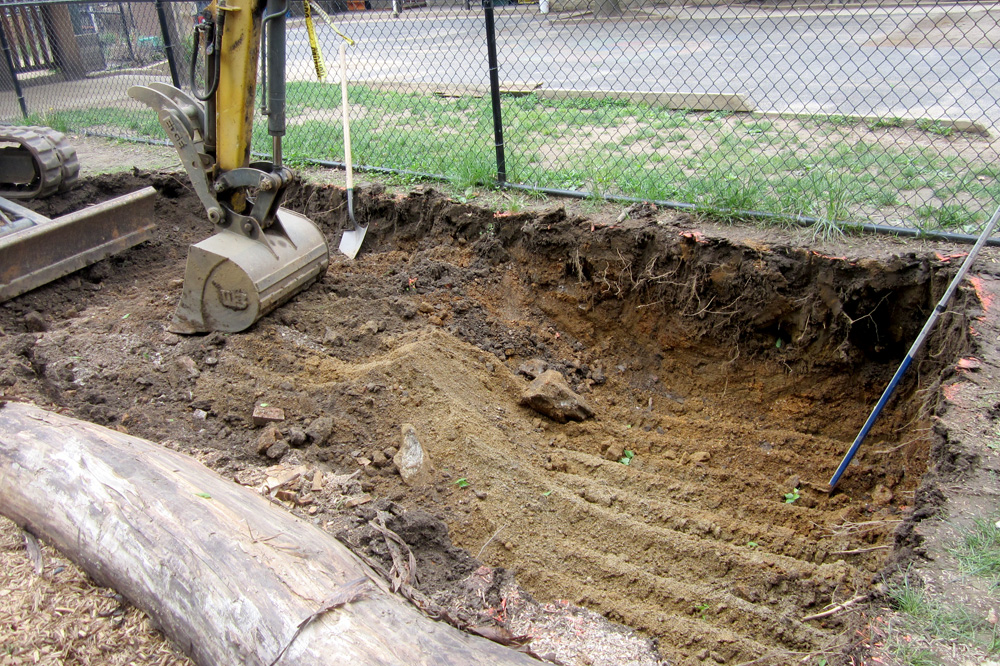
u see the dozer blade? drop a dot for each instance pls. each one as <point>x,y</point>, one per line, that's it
<point>35,250</point>
<point>231,280</point>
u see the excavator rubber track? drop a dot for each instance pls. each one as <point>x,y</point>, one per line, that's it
<point>35,162</point>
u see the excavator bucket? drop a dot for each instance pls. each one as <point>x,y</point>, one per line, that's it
<point>35,250</point>
<point>231,280</point>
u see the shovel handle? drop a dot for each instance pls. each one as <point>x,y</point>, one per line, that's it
<point>348,161</point>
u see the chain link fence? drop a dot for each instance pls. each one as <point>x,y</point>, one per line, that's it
<point>864,113</point>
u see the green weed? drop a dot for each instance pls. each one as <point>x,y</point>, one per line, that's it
<point>933,620</point>
<point>883,123</point>
<point>949,216</point>
<point>979,552</point>
<point>935,127</point>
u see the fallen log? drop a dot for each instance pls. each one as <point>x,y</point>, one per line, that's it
<point>229,577</point>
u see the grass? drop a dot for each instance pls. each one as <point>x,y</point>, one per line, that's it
<point>927,628</point>
<point>978,552</point>
<point>833,168</point>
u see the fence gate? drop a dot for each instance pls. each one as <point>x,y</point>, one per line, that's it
<point>30,48</point>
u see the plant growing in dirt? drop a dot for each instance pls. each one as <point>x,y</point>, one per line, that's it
<point>463,482</point>
<point>626,458</point>
<point>792,496</point>
<point>979,551</point>
<point>927,630</point>
<point>722,162</point>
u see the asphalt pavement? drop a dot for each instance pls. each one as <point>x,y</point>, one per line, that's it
<point>847,61</point>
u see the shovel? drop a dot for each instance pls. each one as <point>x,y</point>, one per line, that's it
<point>351,241</point>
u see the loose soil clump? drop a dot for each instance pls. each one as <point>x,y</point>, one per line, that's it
<point>726,378</point>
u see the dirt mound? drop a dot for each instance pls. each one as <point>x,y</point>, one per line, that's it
<point>727,377</point>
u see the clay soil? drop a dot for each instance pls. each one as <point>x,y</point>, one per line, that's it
<point>730,367</point>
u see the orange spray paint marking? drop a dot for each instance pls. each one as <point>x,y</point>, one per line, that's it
<point>950,392</point>
<point>985,297</point>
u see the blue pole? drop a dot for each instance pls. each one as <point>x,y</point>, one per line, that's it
<point>914,348</point>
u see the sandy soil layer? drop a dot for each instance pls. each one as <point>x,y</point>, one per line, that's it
<point>727,377</point>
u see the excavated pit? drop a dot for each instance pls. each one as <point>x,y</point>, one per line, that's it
<point>736,374</point>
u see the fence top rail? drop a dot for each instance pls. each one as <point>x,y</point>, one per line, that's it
<point>38,3</point>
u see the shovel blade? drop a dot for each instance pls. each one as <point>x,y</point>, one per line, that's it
<point>350,242</point>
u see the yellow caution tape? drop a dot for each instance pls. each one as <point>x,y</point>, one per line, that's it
<point>329,21</point>
<point>317,54</point>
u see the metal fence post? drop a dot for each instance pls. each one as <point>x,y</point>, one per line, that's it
<point>5,45</point>
<point>491,54</point>
<point>168,43</point>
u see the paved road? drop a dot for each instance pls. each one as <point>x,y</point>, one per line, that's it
<point>824,62</point>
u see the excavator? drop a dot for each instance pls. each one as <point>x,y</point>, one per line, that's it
<point>261,254</point>
<point>36,162</point>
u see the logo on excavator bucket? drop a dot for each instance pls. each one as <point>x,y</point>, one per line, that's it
<point>234,299</point>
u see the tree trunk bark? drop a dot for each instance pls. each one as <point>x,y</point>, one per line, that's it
<point>226,574</point>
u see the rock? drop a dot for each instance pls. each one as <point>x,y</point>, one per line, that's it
<point>549,394</point>
<point>277,450</point>
<point>372,327</point>
<point>881,495</point>
<point>264,414</point>
<point>598,495</point>
<point>615,451</point>
<point>405,308</point>
<point>357,501</point>
<point>268,437</point>
<point>700,457</point>
<point>557,462</point>
<point>412,461</point>
<point>319,431</point>
<point>379,459</point>
<point>333,338</point>
<point>187,364</point>
<point>296,437</point>
<point>531,369</point>
<point>35,322</point>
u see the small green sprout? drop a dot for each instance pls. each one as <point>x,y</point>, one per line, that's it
<point>463,483</point>
<point>792,496</point>
<point>627,458</point>
<point>752,544</point>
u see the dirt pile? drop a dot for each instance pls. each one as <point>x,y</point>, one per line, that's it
<point>726,379</point>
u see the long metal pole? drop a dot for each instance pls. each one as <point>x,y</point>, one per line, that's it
<point>491,54</point>
<point>168,44</point>
<point>917,344</point>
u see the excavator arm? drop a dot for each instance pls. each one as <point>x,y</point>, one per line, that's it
<point>261,254</point>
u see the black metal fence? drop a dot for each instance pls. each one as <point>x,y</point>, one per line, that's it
<point>866,113</point>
